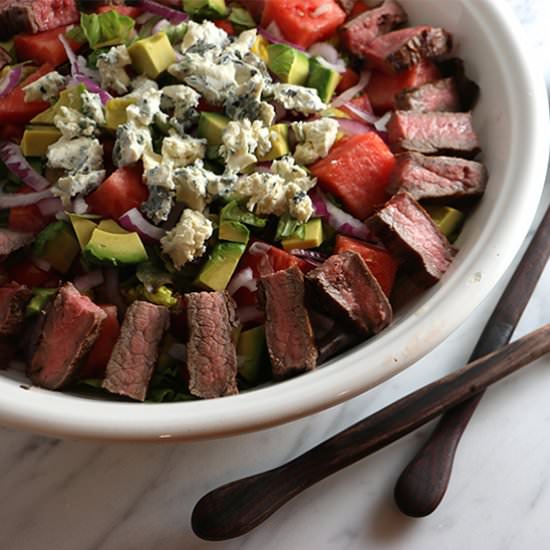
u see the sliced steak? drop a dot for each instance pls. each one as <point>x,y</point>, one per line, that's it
<point>363,29</point>
<point>71,327</point>
<point>32,16</point>
<point>346,286</point>
<point>433,133</point>
<point>13,301</point>
<point>407,229</point>
<point>211,353</point>
<point>441,95</point>
<point>467,88</point>
<point>136,351</point>
<point>399,50</point>
<point>437,177</point>
<point>288,329</point>
<point>10,241</point>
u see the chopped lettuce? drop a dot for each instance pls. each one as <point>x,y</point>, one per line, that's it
<point>161,296</point>
<point>233,212</point>
<point>152,276</point>
<point>41,296</point>
<point>289,226</point>
<point>175,33</point>
<point>106,29</point>
<point>241,18</point>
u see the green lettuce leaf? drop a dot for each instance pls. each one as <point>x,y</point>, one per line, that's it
<point>241,18</point>
<point>235,213</point>
<point>287,227</point>
<point>106,29</point>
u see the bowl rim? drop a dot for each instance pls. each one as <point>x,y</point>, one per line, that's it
<point>68,415</point>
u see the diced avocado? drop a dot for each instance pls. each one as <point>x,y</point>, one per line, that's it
<point>220,266</point>
<point>313,236</point>
<point>449,220</point>
<point>289,64</point>
<point>115,112</point>
<point>332,112</point>
<point>83,228</point>
<point>251,351</point>
<point>260,48</point>
<point>112,227</point>
<point>211,9</point>
<point>37,139</point>
<point>152,55</point>
<point>115,248</point>
<point>61,250</point>
<point>70,97</point>
<point>161,296</point>
<point>323,79</point>
<point>211,127</point>
<point>39,300</point>
<point>234,231</point>
<point>279,143</point>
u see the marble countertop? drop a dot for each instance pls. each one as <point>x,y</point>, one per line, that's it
<point>67,495</point>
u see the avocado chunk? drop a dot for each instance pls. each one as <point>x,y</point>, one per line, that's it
<point>260,48</point>
<point>70,97</point>
<point>251,351</point>
<point>61,249</point>
<point>234,231</point>
<point>289,64</point>
<point>37,139</point>
<point>211,9</point>
<point>39,300</point>
<point>152,55</point>
<point>323,79</point>
<point>115,112</point>
<point>312,236</point>
<point>211,127</point>
<point>220,266</point>
<point>333,112</point>
<point>115,248</point>
<point>112,227</point>
<point>83,228</point>
<point>279,143</point>
<point>448,220</point>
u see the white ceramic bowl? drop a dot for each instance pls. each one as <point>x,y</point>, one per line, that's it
<point>513,123</point>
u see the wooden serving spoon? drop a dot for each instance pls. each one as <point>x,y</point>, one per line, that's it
<point>234,509</point>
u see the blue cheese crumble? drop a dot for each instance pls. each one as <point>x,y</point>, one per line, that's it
<point>112,72</point>
<point>46,88</point>
<point>314,138</point>
<point>296,98</point>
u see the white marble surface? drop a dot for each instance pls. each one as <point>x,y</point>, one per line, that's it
<point>67,495</point>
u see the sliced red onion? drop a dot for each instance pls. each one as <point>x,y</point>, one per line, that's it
<point>352,127</point>
<point>143,18</point>
<point>312,255</point>
<point>92,86</point>
<point>369,118</point>
<point>13,158</point>
<point>133,220</point>
<point>175,16</point>
<point>261,249</point>
<point>263,167</point>
<point>350,93</point>
<point>62,216</point>
<point>80,206</point>
<point>242,279</point>
<point>275,36</point>
<point>250,314</point>
<point>10,80</point>
<point>49,207</point>
<point>382,123</point>
<point>157,27</point>
<point>178,351</point>
<point>70,54</point>
<point>12,200</point>
<point>42,264</point>
<point>328,55</point>
<point>343,222</point>
<point>90,280</point>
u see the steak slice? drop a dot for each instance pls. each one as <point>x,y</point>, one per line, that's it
<point>10,241</point>
<point>32,16</point>
<point>399,50</point>
<point>211,353</point>
<point>71,327</point>
<point>359,31</point>
<point>468,90</point>
<point>13,301</point>
<point>433,133</point>
<point>346,286</point>
<point>288,329</point>
<point>407,229</point>
<point>437,177</point>
<point>441,95</point>
<point>136,351</point>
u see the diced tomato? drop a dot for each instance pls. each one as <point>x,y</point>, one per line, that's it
<point>12,132</point>
<point>43,47</point>
<point>226,25</point>
<point>304,22</point>
<point>101,351</point>
<point>130,11</point>
<point>27,273</point>
<point>349,78</point>
<point>362,102</point>
<point>357,171</point>
<point>382,264</point>
<point>27,219</point>
<point>121,191</point>
<point>13,107</point>
<point>358,9</point>
<point>382,87</point>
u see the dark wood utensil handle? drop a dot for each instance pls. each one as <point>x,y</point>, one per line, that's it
<point>423,483</point>
<point>236,508</point>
